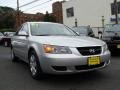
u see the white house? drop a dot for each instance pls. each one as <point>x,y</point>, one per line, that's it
<point>87,12</point>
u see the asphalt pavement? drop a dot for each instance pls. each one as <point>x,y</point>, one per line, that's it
<point>16,76</point>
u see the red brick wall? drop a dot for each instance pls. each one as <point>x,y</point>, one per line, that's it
<point>31,17</point>
<point>57,12</point>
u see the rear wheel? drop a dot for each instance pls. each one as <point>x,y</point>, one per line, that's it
<point>34,66</point>
<point>13,57</point>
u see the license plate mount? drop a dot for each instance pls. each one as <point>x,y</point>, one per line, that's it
<point>93,60</point>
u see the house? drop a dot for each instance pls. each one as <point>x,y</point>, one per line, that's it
<point>89,12</point>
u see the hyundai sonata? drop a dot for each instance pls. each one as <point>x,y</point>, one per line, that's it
<point>56,49</point>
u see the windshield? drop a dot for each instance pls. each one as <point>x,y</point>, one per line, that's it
<point>46,29</point>
<point>112,28</point>
<point>83,30</point>
<point>1,34</point>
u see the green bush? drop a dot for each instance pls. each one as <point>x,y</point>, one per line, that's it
<point>7,30</point>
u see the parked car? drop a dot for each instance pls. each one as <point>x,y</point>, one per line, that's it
<point>7,38</point>
<point>111,36</point>
<point>1,38</point>
<point>84,31</point>
<point>55,49</point>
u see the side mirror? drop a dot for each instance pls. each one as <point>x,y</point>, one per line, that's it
<point>23,33</point>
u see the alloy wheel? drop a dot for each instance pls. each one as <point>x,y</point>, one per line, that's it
<point>33,65</point>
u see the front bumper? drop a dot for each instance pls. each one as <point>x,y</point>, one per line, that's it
<point>71,63</point>
<point>113,45</point>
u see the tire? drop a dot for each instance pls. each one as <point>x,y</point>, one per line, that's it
<point>13,57</point>
<point>34,66</point>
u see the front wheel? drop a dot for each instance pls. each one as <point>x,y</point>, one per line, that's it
<point>34,66</point>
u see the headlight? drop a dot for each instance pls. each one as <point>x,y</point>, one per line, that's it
<point>105,48</point>
<point>56,49</point>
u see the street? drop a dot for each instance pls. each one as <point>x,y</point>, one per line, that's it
<point>16,76</point>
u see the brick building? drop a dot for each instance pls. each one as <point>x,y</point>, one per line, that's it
<point>57,11</point>
<point>26,17</point>
<point>31,17</point>
<point>56,14</point>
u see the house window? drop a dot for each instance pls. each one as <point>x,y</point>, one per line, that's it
<point>70,12</point>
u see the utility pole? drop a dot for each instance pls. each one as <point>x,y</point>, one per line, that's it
<point>103,21</point>
<point>76,23</point>
<point>116,11</point>
<point>17,15</point>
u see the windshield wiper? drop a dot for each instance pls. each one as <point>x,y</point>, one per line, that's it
<point>54,35</point>
<point>43,35</point>
<point>110,31</point>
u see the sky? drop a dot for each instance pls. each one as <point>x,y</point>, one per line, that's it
<point>39,3</point>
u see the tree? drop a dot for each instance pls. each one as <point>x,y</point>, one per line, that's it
<point>7,17</point>
<point>49,18</point>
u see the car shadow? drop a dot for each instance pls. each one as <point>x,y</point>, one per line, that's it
<point>75,79</point>
<point>24,64</point>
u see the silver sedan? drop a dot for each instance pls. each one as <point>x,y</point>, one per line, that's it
<point>55,49</point>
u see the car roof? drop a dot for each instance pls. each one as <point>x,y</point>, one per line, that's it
<point>43,23</point>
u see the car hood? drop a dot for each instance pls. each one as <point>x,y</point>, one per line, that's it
<point>110,34</point>
<point>71,41</point>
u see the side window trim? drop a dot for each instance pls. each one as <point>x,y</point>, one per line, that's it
<point>19,29</point>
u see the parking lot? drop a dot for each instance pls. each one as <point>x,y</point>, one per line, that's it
<point>15,76</point>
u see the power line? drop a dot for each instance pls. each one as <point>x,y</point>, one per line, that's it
<point>39,5</point>
<point>39,9</point>
<point>2,1</point>
<point>29,3</point>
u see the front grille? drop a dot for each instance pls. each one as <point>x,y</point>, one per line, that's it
<point>86,67</point>
<point>95,50</point>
